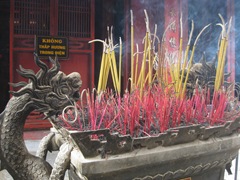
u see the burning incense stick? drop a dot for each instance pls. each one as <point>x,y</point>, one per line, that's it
<point>103,62</point>
<point>222,53</point>
<point>152,108</point>
<point>162,56</point>
<point>185,58</point>
<point>179,56</point>
<point>120,65</point>
<point>145,54</point>
<point>191,59</point>
<point>136,66</point>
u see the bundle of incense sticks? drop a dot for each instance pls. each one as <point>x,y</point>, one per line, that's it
<point>168,73</point>
<point>109,63</point>
<point>156,100</point>
<point>149,114</point>
<point>222,52</point>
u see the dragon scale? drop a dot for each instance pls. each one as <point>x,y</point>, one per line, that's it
<point>49,91</point>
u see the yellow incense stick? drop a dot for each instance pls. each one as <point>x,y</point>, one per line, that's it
<point>149,63</point>
<point>222,53</point>
<point>112,70</point>
<point>115,70</point>
<point>179,55</point>
<point>160,70</point>
<point>218,71</point>
<point>171,68</point>
<point>102,68</point>
<point>106,70</point>
<point>191,58</point>
<point>142,70</point>
<point>188,71</point>
<point>101,72</point>
<point>163,54</point>
<point>136,66</point>
<point>221,79</point>
<point>120,64</point>
<point>185,57</point>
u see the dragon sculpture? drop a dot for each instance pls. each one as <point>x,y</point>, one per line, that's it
<point>202,75</point>
<point>48,91</point>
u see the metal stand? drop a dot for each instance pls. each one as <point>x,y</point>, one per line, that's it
<point>236,169</point>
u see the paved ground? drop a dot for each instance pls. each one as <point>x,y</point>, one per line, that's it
<point>232,177</point>
<point>32,146</point>
<point>32,140</point>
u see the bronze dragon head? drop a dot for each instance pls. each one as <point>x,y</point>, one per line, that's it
<point>202,74</point>
<point>50,90</point>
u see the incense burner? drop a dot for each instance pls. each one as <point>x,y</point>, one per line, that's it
<point>193,152</point>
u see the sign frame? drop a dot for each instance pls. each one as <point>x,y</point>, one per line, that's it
<point>51,46</point>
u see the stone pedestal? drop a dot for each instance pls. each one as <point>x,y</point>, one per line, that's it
<point>198,160</point>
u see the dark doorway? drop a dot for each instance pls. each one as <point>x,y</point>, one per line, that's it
<point>4,52</point>
<point>108,13</point>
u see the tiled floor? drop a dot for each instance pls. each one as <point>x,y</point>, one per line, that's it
<point>32,139</point>
<point>35,135</point>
